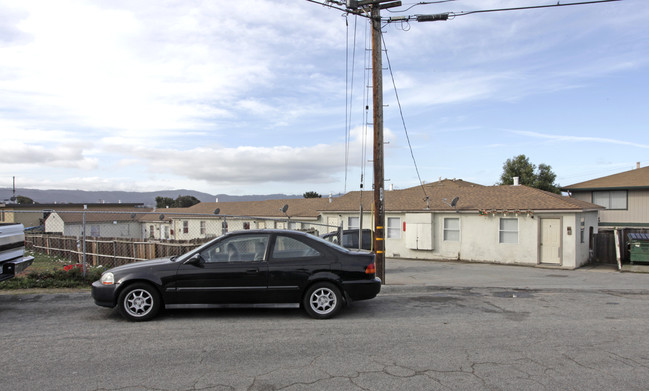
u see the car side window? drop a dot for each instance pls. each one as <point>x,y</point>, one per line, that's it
<point>287,248</point>
<point>237,249</point>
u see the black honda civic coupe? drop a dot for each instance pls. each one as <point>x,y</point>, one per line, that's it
<point>244,268</point>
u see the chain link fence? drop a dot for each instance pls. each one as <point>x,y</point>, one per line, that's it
<point>113,238</point>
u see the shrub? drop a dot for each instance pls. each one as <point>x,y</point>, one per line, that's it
<point>50,272</point>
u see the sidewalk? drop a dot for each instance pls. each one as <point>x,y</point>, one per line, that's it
<point>403,274</point>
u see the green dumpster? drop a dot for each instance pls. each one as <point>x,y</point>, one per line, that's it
<point>639,247</point>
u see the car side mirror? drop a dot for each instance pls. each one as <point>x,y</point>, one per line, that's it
<point>196,260</point>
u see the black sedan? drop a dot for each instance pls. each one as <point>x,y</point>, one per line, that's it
<point>249,268</point>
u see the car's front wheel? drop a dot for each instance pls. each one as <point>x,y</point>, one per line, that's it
<point>323,300</point>
<point>139,302</point>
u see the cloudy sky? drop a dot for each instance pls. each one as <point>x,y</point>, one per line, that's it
<point>257,96</point>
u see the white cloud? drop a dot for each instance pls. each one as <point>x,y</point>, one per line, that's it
<point>579,139</point>
<point>56,155</point>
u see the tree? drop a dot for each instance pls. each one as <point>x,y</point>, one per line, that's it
<point>24,200</point>
<point>311,194</point>
<point>545,179</point>
<point>179,202</point>
<point>186,201</point>
<point>542,178</point>
<point>164,202</point>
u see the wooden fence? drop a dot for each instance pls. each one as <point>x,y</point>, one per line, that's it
<point>106,251</point>
<point>605,249</point>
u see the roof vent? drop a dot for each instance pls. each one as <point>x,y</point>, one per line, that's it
<point>515,181</point>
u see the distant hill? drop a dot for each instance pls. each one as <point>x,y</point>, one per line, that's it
<point>146,198</point>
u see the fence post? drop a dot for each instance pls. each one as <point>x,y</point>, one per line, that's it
<point>83,226</point>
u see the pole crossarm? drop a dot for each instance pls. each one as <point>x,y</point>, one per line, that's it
<point>382,4</point>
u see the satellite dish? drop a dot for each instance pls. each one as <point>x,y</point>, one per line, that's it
<point>454,202</point>
<point>162,217</point>
<point>133,215</point>
<point>284,208</point>
<point>217,211</point>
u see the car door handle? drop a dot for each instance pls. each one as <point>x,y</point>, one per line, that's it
<point>251,271</point>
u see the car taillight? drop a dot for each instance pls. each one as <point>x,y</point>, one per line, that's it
<point>370,269</point>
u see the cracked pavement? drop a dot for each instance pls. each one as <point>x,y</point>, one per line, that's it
<point>418,339</point>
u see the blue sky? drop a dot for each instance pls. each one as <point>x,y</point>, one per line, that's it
<point>249,96</point>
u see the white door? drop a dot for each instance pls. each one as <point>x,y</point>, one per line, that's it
<point>551,241</point>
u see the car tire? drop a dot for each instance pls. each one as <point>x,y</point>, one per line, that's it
<point>323,300</point>
<point>139,302</point>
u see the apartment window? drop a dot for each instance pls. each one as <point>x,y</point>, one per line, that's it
<point>353,223</point>
<point>611,199</point>
<point>394,227</point>
<point>203,229</point>
<point>452,229</point>
<point>185,227</point>
<point>508,232</point>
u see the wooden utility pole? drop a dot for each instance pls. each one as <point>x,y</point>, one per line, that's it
<point>377,93</point>
<point>375,7</point>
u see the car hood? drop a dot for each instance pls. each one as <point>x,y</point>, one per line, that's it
<point>141,265</point>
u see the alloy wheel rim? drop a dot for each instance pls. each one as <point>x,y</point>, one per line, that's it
<point>138,302</point>
<point>323,301</point>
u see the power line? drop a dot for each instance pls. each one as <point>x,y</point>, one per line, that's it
<point>451,15</point>
<point>533,7</point>
<point>403,121</point>
<point>329,4</point>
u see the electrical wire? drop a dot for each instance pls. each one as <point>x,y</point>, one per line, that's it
<point>347,104</point>
<point>420,3</point>
<point>349,97</point>
<point>451,15</point>
<point>366,98</point>
<point>362,12</point>
<point>403,121</point>
<point>462,13</point>
<point>326,4</point>
<point>345,10</point>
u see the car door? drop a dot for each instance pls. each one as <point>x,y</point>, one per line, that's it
<point>233,270</point>
<point>293,260</point>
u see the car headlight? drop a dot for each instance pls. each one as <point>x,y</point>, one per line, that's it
<point>107,279</point>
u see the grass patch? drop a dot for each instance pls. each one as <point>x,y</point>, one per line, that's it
<point>50,272</point>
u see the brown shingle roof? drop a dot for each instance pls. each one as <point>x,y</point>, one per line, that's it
<point>106,214</point>
<point>638,178</point>
<point>297,207</point>
<point>470,198</point>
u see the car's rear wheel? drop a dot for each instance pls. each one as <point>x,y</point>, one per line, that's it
<point>139,302</point>
<point>323,300</point>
